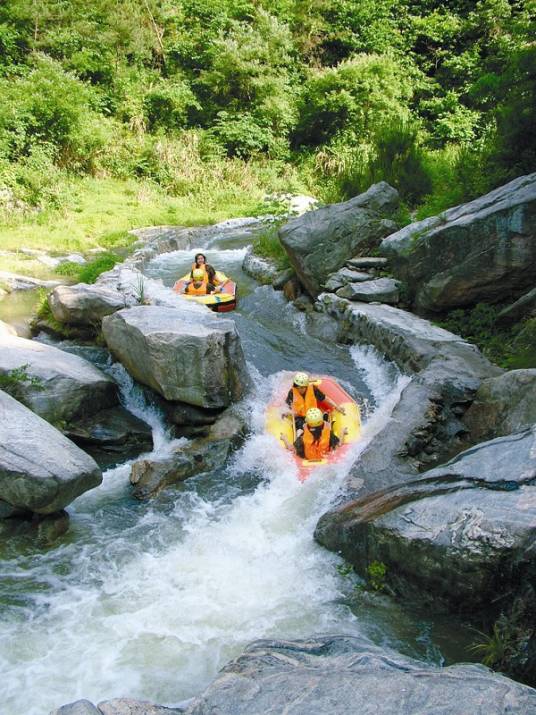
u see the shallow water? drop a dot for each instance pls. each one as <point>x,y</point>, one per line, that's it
<point>149,600</point>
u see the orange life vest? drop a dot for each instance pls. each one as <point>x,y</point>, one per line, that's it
<point>202,267</point>
<point>316,450</point>
<point>300,404</point>
<point>202,290</point>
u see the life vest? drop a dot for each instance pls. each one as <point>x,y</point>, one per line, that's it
<point>202,290</point>
<point>315,451</point>
<point>300,404</point>
<point>199,268</point>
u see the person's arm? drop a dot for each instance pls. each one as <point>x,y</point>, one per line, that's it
<point>299,446</point>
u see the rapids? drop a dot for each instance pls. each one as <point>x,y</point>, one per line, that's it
<point>149,599</point>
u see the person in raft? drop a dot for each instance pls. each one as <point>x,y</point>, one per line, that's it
<point>302,396</point>
<point>209,273</point>
<point>199,284</point>
<point>316,438</point>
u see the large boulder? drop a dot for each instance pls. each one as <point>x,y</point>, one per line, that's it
<point>58,386</point>
<point>84,304</point>
<point>40,469</point>
<point>463,534</point>
<point>502,405</point>
<point>320,242</point>
<point>481,251</point>
<point>380,290</point>
<point>258,267</point>
<point>522,308</point>
<point>338,675</point>
<point>186,356</point>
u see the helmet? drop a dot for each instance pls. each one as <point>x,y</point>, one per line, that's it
<point>198,274</point>
<point>314,417</point>
<point>301,379</point>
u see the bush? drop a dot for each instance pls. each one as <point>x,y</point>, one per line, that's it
<point>242,135</point>
<point>169,105</point>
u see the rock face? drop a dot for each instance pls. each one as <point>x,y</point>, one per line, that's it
<point>464,533</point>
<point>59,386</point>
<point>341,675</point>
<point>179,355</point>
<point>117,706</point>
<point>346,275</point>
<point>381,290</point>
<point>481,251</point>
<point>112,436</point>
<point>262,269</point>
<point>40,469</point>
<point>84,304</point>
<point>148,477</point>
<point>524,307</point>
<point>503,405</point>
<point>320,242</point>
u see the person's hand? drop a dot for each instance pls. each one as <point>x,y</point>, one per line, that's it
<point>218,289</point>
<point>299,433</point>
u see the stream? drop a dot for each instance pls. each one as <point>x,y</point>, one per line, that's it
<point>150,599</point>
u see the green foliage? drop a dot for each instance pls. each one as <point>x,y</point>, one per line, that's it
<point>345,569</point>
<point>496,648</point>
<point>376,573</point>
<point>12,381</point>
<point>268,245</point>
<point>89,272</point>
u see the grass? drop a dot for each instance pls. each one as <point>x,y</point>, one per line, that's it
<point>269,246</point>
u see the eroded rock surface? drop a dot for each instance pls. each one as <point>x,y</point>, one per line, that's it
<point>484,250</point>
<point>320,242</point>
<point>84,304</point>
<point>185,356</point>
<point>341,675</point>
<point>40,469</point>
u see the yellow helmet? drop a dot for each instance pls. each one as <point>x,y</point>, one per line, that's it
<point>301,379</point>
<point>198,274</point>
<point>314,417</point>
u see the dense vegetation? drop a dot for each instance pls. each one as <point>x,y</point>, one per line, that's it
<point>218,101</point>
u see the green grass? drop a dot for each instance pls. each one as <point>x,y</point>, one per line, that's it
<point>269,246</point>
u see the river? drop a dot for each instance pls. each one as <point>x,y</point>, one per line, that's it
<point>149,599</point>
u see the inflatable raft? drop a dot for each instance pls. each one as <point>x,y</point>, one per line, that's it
<point>221,302</point>
<point>276,424</point>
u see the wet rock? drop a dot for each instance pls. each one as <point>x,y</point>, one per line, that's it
<point>346,275</point>
<point>185,355</point>
<point>464,533</point>
<point>111,436</point>
<point>262,269</point>
<point>56,385</point>
<point>283,277</point>
<point>503,405</point>
<point>200,455</point>
<point>19,282</point>
<point>367,262</point>
<point>40,469</point>
<point>79,707</point>
<point>304,303</point>
<point>341,675</point>
<point>484,250</point>
<point>23,529</point>
<point>382,290</point>
<point>322,241</point>
<point>127,706</point>
<point>524,307</point>
<point>292,289</point>
<point>181,414</point>
<point>84,304</point>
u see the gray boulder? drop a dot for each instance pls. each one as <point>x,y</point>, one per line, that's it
<point>381,290</point>
<point>184,355</point>
<point>258,267</point>
<point>282,277</point>
<point>463,533</point>
<point>338,675</point>
<point>84,304</point>
<point>56,385</point>
<point>346,275</point>
<point>481,251</point>
<point>503,405</point>
<point>148,477</point>
<point>79,707</point>
<point>40,469</point>
<point>320,242</point>
<point>111,436</point>
<point>127,706</point>
<point>366,263</point>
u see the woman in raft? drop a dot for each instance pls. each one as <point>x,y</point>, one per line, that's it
<point>316,439</point>
<point>203,278</point>
<point>302,396</point>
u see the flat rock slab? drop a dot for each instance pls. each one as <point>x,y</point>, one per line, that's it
<point>339,675</point>
<point>40,469</point>
<point>15,281</point>
<point>322,241</point>
<point>381,290</point>
<point>344,276</point>
<point>84,304</point>
<point>60,387</point>
<point>185,356</point>
<point>366,262</point>
<point>484,250</point>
